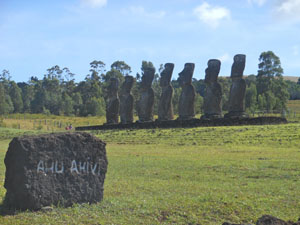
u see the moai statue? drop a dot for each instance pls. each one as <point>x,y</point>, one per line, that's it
<point>213,91</point>
<point>238,89</point>
<point>145,104</point>
<point>186,107</point>
<point>126,101</point>
<point>165,107</point>
<point>112,102</point>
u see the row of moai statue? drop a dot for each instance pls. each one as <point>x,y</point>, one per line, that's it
<point>123,106</point>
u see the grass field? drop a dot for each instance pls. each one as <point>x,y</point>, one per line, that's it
<point>186,176</point>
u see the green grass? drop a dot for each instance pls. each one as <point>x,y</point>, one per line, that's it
<point>187,176</point>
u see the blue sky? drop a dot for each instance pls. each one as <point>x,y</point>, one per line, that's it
<point>38,34</point>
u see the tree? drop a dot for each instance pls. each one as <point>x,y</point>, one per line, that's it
<point>5,103</point>
<point>15,94</point>
<point>122,67</point>
<point>270,83</point>
<point>97,70</point>
<point>269,65</point>
<point>250,98</point>
<point>67,105</point>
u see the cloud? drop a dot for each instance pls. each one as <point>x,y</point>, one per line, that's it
<point>225,58</point>
<point>211,15</point>
<point>140,11</point>
<point>257,2</point>
<point>94,3</point>
<point>288,10</point>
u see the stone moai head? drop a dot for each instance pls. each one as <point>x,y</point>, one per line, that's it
<point>238,66</point>
<point>166,75</point>
<point>185,76</point>
<point>127,85</point>
<point>147,78</point>
<point>212,70</point>
<point>113,86</point>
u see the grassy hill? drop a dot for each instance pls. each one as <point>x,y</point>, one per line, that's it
<point>186,176</point>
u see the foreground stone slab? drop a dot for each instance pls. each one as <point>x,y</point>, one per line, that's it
<point>54,169</point>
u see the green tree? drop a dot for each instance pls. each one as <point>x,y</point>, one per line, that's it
<point>198,103</point>
<point>6,105</point>
<point>122,67</point>
<point>269,65</point>
<point>270,82</point>
<point>97,70</point>
<point>250,98</point>
<point>67,105</point>
<point>15,94</point>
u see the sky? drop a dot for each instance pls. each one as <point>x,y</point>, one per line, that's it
<point>38,34</point>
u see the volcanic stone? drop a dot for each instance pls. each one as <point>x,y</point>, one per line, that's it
<point>165,107</point>
<point>54,169</point>
<point>145,105</point>
<point>186,106</point>
<point>213,91</point>
<point>126,101</point>
<point>112,102</point>
<point>238,88</point>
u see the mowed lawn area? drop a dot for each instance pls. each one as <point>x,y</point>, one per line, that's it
<point>186,176</point>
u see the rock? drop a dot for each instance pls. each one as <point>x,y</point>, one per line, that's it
<point>145,104</point>
<point>270,220</point>
<point>186,106</point>
<point>238,89</point>
<point>47,209</point>
<point>213,91</point>
<point>165,107</point>
<point>54,169</point>
<point>126,101</point>
<point>112,102</point>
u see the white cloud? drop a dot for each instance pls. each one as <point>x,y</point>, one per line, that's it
<point>211,15</point>
<point>257,2</point>
<point>288,10</point>
<point>94,3</point>
<point>225,58</point>
<point>140,11</point>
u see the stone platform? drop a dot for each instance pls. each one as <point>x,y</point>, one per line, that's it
<point>189,123</point>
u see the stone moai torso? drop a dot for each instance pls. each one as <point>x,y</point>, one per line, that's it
<point>238,88</point>
<point>126,101</point>
<point>165,107</point>
<point>145,104</point>
<point>112,102</point>
<point>213,91</point>
<point>186,107</point>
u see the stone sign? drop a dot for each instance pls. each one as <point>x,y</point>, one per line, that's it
<point>54,169</point>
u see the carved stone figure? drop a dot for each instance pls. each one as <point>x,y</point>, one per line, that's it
<point>113,102</point>
<point>186,107</point>
<point>213,91</point>
<point>146,102</point>
<point>238,89</point>
<point>165,107</point>
<point>126,101</point>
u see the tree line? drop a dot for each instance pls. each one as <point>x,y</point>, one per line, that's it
<point>58,93</point>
